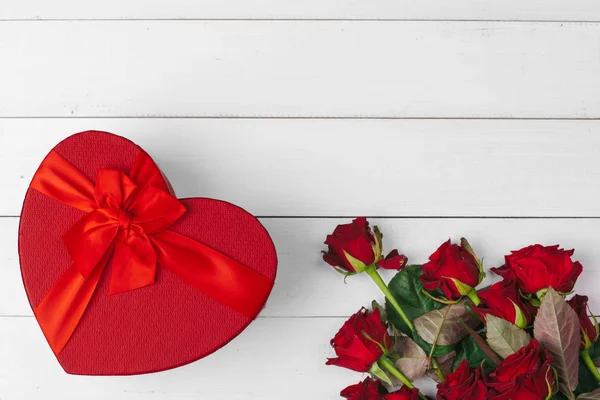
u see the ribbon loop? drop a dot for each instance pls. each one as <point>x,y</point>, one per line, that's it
<point>114,190</point>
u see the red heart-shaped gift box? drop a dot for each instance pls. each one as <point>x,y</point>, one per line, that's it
<point>159,326</point>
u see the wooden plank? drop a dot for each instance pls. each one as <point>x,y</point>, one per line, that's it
<point>562,10</point>
<point>300,69</point>
<point>307,287</point>
<point>346,167</point>
<point>271,360</point>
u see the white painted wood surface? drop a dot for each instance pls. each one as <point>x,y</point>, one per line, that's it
<point>537,10</point>
<point>456,118</point>
<point>306,287</point>
<point>400,69</point>
<point>275,167</point>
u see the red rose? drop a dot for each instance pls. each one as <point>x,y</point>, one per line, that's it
<point>358,343</point>
<point>353,247</point>
<point>526,374</point>
<point>462,384</point>
<point>503,300</point>
<point>453,270</point>
<point>365,390</point>
<point>355,240</point>
<point>370,389</point>
<point>405,393</point>
<point>589,332</point>
<point>539,267</point>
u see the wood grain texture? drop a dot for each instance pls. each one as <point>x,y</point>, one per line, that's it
<point>295,68</point>
<point>307,287</point>
<point>271,360</point>
<point>561,10</point>
<point>300,69</point>
<point>346,167</point>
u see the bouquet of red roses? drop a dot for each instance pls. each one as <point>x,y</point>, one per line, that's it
<point>517,339</point>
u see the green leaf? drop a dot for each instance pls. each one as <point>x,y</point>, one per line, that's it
<point>587,382</point>
<point>484,347</point>
<point>413,361</point>
<point>407,289</point>
<point>447,325</point>
<point>504,337</point>
<point>467,349</point>
<point>595,395</point>
<point>556,327</point>
<point>559,396</point>
<point>438,351</point>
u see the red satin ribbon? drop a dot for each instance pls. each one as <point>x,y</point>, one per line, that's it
<point>127,219</point>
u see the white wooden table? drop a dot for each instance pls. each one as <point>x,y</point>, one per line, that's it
<point>436,118</point>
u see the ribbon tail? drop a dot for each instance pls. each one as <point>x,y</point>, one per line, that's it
<point>213,273</point>
<point>63,306</point>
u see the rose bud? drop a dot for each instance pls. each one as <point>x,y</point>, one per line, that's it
<point>538,267</point>
<point>589,329</point>
<point>453,269</point>
<point>526,374</point>
<point>353,247</point>
<point>462,384</point>
<point>394,260</point>
<point>503,300</point>
<point>370,389</point>
<point>360,342</point>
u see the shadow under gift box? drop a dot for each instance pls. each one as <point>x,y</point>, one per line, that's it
<point>164,325</point>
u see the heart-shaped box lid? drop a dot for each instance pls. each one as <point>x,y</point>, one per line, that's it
<point>166,324</point>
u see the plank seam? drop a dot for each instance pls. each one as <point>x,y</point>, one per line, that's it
<point>311,118</point>
<point>510,21</point>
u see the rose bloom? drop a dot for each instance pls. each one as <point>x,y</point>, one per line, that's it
<point>539,267</point>
<point>589,334</point>
<point>462,384</point>
<point>450,262</point>
<point>503,300</point>
<point>405,393</point>
<point>357,240</point>
<point>526,374</point>
<point>370,389</point>
<point>357,344</point>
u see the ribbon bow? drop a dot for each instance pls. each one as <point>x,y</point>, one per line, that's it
<point>127,219</point>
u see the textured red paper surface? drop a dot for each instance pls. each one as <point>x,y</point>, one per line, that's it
<point>157,327</point>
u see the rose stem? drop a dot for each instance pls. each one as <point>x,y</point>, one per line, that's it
<point>437,369</point>
<point>372,272</point>
<point>389,366</point>
<point>585,356</point>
